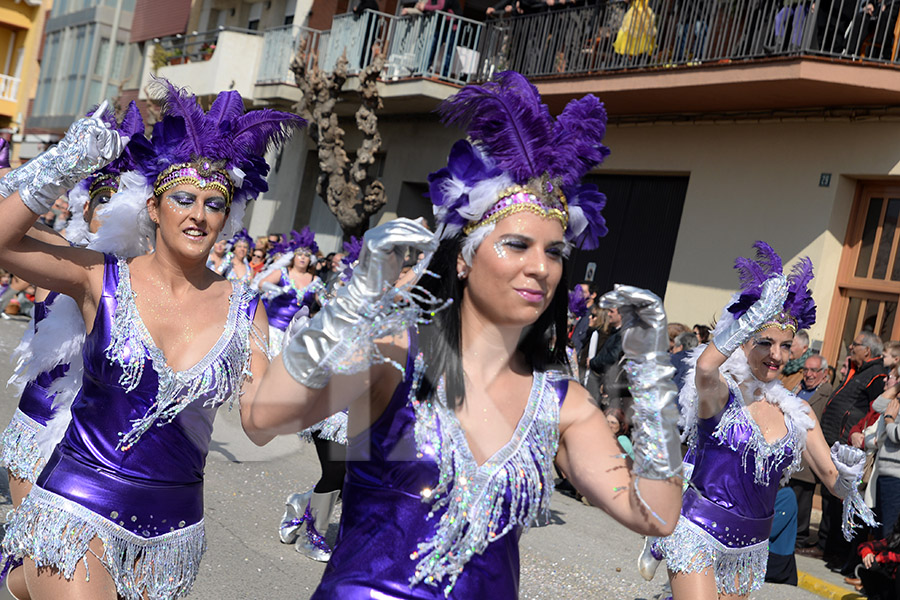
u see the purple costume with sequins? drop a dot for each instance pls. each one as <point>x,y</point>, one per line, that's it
<point>21,453</point>
<point>394,465</point>
<point>727,510</point>
<point>143,499</point>
<point>282,308</point>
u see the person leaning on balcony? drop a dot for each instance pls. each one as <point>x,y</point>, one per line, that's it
<point>504,7</point>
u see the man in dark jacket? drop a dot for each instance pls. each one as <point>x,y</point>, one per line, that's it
<point>607,356</point>
<point>844,409</point>
<point>815,389</point>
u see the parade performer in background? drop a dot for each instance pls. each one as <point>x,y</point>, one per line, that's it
<point>49,368</point>
<point>746,435</point>
<point>450,456</point>
<point>118,509</point>
<point>289,284</point>
<point>217,258</point>
<point>236,264</point>
<point>307,515</point>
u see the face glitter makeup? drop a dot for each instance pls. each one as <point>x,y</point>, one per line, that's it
<point>500,249</point>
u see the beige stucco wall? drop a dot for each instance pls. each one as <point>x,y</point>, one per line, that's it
<point>748,181</point>
<point>757,180</point>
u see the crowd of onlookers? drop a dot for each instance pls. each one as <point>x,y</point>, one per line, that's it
<point>856,404</point>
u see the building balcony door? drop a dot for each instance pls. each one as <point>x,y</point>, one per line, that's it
<point>868,282</point>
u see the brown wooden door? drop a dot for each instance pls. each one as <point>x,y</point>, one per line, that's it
<point>868,282</point>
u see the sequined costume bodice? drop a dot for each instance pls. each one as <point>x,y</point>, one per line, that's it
<point>140,432</point>
<point>36,401</point>
<point>735,467</point>
<point>421,518</point>
<point>282,308</point>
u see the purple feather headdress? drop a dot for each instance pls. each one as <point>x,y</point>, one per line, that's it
<point>294,241</point>
<point>107,178</point>
<point>222,142</point>
<point>242,236</point>
<point>578,302</point>
<point>352,250</point>
<point>799,307</point>
<point>517,157</point>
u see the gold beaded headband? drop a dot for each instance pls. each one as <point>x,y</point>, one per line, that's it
<point>782,321</point>
<point>103,184</point>
<point>551,204</point>
<point>201,174</point>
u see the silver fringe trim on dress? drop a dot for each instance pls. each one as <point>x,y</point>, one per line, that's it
<point>690,549</point>
<point>21,452</point>
<point>217,376</point>
<point>56,532</point>
<point>333,429</point>
<point>475,496</point>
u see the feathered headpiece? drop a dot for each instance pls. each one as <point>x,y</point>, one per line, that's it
<point>242,236</point>
<point>221,149</point>
<point>109,182</point>
<point>578,302</point>
<point>294,241</point>
<point>352,250</point>
<point>517,157</point>
<point>799,307</point>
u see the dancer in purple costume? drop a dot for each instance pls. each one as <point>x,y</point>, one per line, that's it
<point>747,434</point>
<point>289,285</point>
<point>118,509</point>
<point>311,511</point>
<point>235,266</point>
<point>450,457</point>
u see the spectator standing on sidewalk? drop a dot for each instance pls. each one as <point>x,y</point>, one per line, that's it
<point>792,373</point>
<point>815,389</point>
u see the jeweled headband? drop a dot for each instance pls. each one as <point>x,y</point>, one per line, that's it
<point>104,183</point>
<point>200,174</point>
<point>546,201</point>
<point>782,321</point>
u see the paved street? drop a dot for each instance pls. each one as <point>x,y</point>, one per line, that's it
<point>581,553</point>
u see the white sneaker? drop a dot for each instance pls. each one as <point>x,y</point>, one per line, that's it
<point>647,563</point>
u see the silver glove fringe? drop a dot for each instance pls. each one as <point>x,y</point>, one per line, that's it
<point>333,429</point>
<point>55,532</point>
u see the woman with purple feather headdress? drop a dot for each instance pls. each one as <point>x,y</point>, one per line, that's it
<point>236,264</point>
<point>117,511</point>
<point>450,456</point>
<point>746,434</point>
<point>289,284</point>
<point>307,514</point>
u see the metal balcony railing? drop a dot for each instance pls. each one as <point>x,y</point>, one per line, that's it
<point>605,36</point>
<point>611,36</point>
<point>281,44</point>
<point>194,47</point>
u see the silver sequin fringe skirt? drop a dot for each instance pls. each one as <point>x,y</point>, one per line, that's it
<point>690,549</point>
<point>56,532</point>
<point>333,429</point>
<point>20,452</point>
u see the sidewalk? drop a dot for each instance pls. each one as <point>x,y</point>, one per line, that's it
<point>815,577</point>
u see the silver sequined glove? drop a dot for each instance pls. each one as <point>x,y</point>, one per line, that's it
<point>850,463</point>
<point>88,145</point>
<point>771,301</point>
<point>272,289</point>
<point>645,342</point>
<point>380,263</point>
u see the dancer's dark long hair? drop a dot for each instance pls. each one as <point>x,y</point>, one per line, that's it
<point>543,344</point>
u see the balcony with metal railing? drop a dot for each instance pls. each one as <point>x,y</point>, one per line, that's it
<point>642,56</point>
<point>210,61</point>
<point>9,95</point>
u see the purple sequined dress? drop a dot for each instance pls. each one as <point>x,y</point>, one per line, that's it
<point>129,470</point>
<point>727,510</point>
<point>21,452</point>
<point>421,519</point>
<point>281,308</point>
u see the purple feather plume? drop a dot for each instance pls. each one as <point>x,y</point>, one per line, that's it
<point>305,239</point>
<point>578,139</point>
<point>767,263</point>
<point>506,119</point>
<point>578,302</point>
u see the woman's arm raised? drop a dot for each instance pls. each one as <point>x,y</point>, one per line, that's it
<point>299,388</point>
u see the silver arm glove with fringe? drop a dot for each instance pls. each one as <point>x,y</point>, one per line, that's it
<point>380,263</point>
<point>850,463</point>
<point>88,145</point>
<point>645,343</point>
<point>771,301</point>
